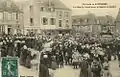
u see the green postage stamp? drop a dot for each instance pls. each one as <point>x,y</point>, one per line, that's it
<point>10,67</point>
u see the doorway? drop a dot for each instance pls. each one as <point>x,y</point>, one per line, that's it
<point>9,30</point>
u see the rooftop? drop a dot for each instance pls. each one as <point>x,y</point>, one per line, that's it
<point>106,20</point>
<point>56,3</point>
<point>9,6</point>
<point>118,16</point>
<point>91,18</point>
<point>84,19</point>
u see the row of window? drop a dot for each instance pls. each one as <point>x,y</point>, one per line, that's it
<point>9,16</point>
<point>43,9</point>
<point>50,9</point>
<point>45,21</point>
<point>62,14</point>
<point>53,21</point>
<point>59,13</point>
<point>85,21</point>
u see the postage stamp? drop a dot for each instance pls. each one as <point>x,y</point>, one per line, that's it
<point>10,67</point>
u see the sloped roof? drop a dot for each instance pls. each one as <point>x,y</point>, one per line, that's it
<point>92,19</point>
<point>11,8</point>
<point>118,16</point>
<point>80,19</point>
<point>56,3</point>
<point>105,20</point>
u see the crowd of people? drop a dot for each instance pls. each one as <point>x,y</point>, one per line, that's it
<point>19,46</point>
<point>90,54</point>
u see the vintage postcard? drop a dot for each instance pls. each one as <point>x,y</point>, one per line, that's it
<point>59,38</point>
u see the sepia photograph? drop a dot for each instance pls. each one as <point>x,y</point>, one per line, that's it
<point>59,38</point>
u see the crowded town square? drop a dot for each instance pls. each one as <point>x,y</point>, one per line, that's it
<point>59,38</point>
<point>63,55</point>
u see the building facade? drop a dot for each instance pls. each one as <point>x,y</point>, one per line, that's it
<point>107,23</point>
<point>86,24</point>
<point>117,23</point>
<point>10,18</point>
<point>94,25</point>
<point>46,17</point>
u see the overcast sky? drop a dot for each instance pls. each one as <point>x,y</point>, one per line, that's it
<point>98,11</point>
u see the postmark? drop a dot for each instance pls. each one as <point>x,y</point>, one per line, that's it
<point>10,67</point>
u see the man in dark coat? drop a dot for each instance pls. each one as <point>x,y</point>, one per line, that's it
<point>43,69</point>
<point>84,68</point>
<point>96,68</point>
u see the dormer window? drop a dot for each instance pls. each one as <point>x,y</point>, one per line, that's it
<point>8,3</point>
<point>98,21</point>
<point>60,13</point>
<point>31,8</point>
<point>66,14</point>
<point>50,9</point>
<point>42,9</point>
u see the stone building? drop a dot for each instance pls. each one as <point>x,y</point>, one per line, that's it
<point>107,23</point>
<point>86,24</point>
<point>117,23</point>
<point>93,25</point>
<point>10,18</point>
<point>46,17</point>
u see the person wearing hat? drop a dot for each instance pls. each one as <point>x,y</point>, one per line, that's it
<point>108,53</point>
<point>96,68</point>
<point>84,67</point>
<point>43,72</point>
<point>45,59</point>
<point>10,45</point>
<point>43,69</point>
<point>3,49</point>
<point>28,60</point>
<point>23,55</point>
